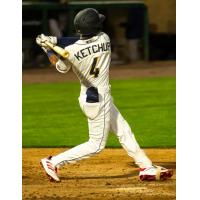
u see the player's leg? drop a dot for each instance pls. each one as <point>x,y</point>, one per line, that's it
<point>98,133</point>
<point>123,131</point>
<point>121,128</point>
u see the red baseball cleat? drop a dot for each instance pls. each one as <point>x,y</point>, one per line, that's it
<point>155,173</point>
<point>50,169</point>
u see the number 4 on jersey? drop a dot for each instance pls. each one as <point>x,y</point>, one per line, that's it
<point>94,71</point>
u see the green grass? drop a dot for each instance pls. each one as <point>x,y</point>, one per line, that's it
<point>52,117</point>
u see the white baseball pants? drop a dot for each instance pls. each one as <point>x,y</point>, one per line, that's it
<point>103,117</point>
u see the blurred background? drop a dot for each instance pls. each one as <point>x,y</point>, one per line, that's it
<point>140,30</point>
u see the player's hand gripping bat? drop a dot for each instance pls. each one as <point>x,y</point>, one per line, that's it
<point>50,42</point>
<point>60,51</point>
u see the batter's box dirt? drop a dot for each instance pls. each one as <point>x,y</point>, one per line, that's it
<point>111,175</point>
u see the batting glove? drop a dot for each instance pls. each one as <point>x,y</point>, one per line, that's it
<point>40,40</point>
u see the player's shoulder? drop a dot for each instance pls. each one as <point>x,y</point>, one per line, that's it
<point>105,36</point>
<point>79,44</point>
<point>71,47</point>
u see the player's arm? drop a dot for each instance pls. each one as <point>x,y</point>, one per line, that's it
<point>61,41</point>
<point>62,65</point>
<point>66,41</point>
<point>53,58</point>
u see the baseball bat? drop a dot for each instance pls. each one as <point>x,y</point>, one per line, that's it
<point>62,52</point>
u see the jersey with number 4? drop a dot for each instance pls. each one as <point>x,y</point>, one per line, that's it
<point>91,60</point>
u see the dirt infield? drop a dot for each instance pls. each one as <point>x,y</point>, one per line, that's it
<point>111,175</point>
<point>142,69</point>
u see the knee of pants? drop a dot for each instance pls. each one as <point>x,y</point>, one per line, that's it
<point>98,145</point>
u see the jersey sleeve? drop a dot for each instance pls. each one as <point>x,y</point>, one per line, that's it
<point>71,49</point>
<point>106,37</point>
<point>66,41</point>
<point>63,66</point>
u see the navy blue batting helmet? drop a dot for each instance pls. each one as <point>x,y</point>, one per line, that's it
<point>88,22</point>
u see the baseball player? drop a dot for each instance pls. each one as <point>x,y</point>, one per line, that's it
<point>89,58</point>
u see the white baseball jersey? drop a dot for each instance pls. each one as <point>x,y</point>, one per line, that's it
<point>90,60</point>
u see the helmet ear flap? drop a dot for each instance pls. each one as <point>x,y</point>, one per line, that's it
<point>102,18</point>
<point>76,24</point>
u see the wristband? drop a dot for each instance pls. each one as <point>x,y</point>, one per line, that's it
<point>50,53</point>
